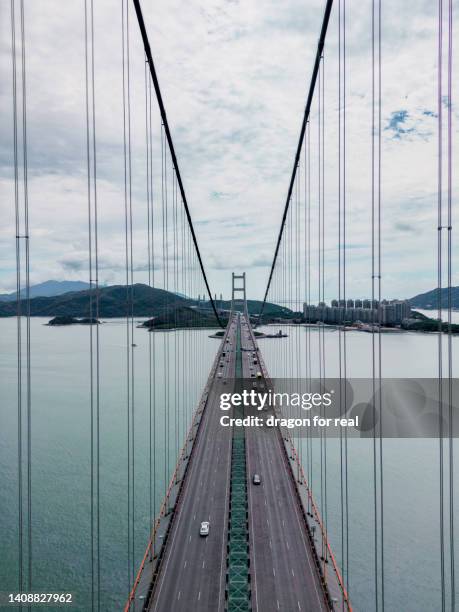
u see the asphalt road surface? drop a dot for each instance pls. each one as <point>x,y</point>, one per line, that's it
<point>282,567</point>
<point>192,574</point>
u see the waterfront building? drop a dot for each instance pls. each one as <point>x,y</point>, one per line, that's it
<point>350,311</point>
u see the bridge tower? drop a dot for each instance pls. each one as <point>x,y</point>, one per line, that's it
<point>237,288</point>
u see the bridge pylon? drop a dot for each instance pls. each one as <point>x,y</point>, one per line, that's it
<point>238,303</point>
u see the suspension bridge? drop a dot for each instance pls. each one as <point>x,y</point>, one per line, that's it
<point>260,491</point>
<point>266,552</point>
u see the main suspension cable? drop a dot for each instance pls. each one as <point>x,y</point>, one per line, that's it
<point>315,71</point>
<point>170,143</point>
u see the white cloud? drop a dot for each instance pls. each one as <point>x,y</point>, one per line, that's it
<point>234,78</point>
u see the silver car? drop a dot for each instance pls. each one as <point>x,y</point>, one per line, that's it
<point>205,528</point>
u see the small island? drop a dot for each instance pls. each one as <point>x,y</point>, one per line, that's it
<point>182,317</point>
<point>67,320</point>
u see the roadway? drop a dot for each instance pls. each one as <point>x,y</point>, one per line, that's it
<point>193,572</point>
<point>283,574</point>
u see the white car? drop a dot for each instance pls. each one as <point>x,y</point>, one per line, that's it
<point>205,527</point>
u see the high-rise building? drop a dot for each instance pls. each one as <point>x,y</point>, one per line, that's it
<point>386,313</point>
<point>402,309</point>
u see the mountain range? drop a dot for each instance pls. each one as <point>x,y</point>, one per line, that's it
<point>114,301</point>
<point>71,298</point>
<point>47,289</point>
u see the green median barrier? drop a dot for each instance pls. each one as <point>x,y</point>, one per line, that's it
<point>238,560</point>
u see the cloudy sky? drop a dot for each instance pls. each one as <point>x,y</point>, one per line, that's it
<point>234,77</point>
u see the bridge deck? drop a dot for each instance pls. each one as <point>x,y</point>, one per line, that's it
<point>283,572</point>
<point>191,570</point>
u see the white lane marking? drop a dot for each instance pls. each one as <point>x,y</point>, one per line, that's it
<point>293,573</point>
<point>184,565</point>
<point>299,607</point>
<point>199,595</point>
<point>203,564</point>
<point>179,593</point>
<point>190,538</point>
<point>274,572</point>
<point>278,606</point>
<point>288,547</point>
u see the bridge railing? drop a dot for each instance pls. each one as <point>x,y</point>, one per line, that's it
<point>319,521</point>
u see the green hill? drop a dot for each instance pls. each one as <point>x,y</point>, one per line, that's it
<point>183,316</point>
<point>430,299</point>
<point>169,308</point>
<point>113,302</point>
